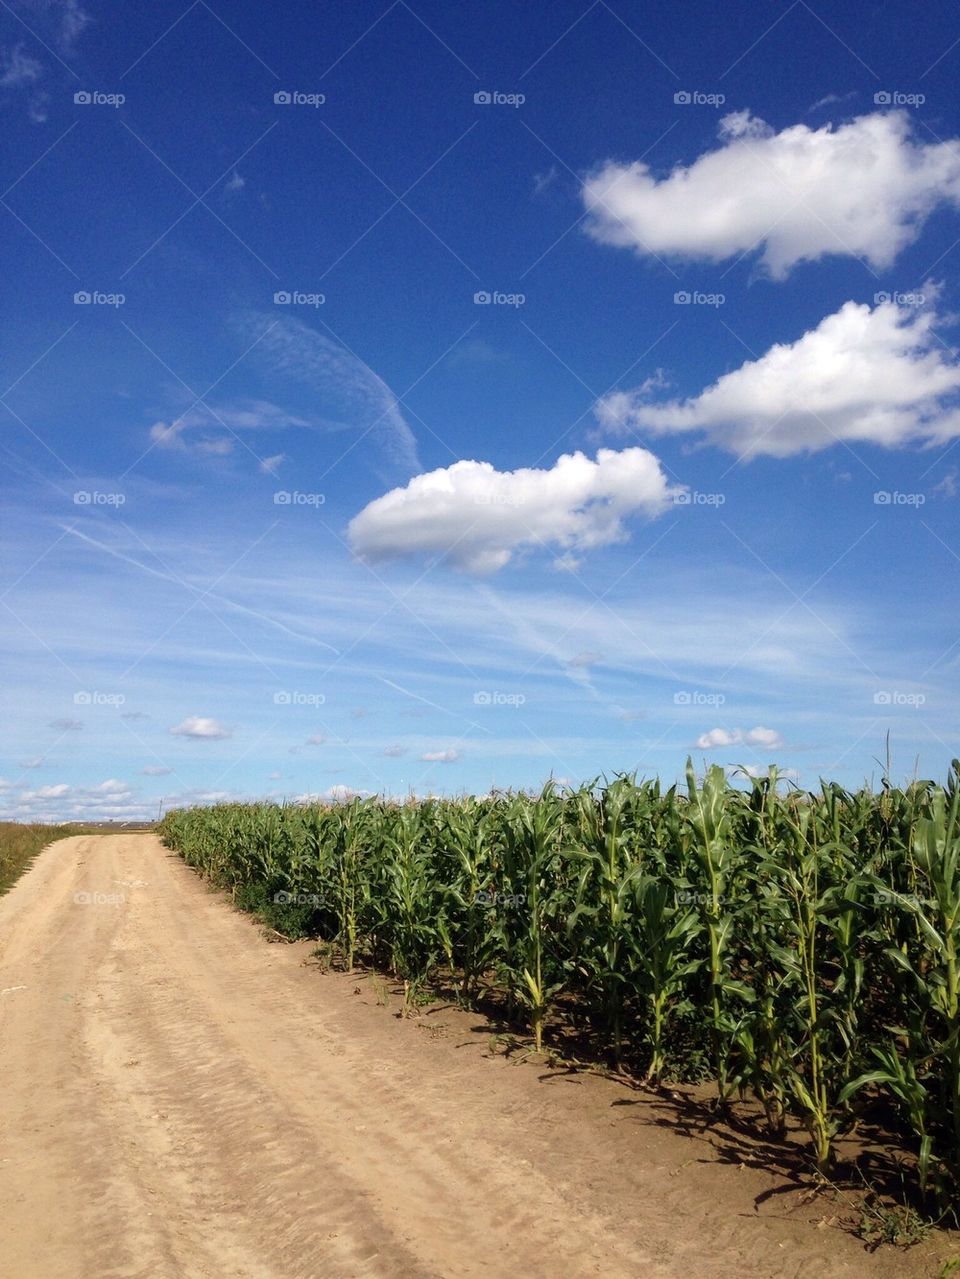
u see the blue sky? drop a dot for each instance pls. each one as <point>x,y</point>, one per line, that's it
<point>470,394</point>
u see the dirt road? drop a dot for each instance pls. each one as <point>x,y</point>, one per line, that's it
<point>182,1099</point>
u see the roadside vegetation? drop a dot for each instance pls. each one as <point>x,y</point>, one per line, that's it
<point>800,949</point>
<point>20,842</point>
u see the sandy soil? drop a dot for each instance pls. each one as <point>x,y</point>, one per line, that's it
<point>182,1099</point>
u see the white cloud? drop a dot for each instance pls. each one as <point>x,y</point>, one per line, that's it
<point>201,727</point>
<point>45,792</point>
<point>768,738</point>
<point>875,375</point>
<point>270,465</point>
<point>479,516</point>
<point>18,68</point>
<point>215,430</point>
<point>348,394</point>
<point>67,19</point>
<point>861,189</point>
<point>717,737</point>
<point>394,752</point>
<point>449,756</point>
<point>317,739</point>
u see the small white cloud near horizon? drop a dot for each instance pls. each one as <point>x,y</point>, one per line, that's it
<point>768,738</point>
<point>479,516</point>
<point>202,728</point>
<point>448,756</point>
<point>873,375</point>
<point>860,189</point>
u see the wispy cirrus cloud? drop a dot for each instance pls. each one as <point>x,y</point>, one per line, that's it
<point>347,393</point>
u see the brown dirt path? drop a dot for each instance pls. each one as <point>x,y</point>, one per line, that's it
<point>181,1100</point>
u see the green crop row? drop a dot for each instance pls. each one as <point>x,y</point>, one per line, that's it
<point>799,947</point>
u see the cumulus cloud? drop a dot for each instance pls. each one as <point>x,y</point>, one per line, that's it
<point>768,738</point>
<point>875,375</point>
<point>479,516</point>
<point>46,792</point>
<point>201,727</point>
<point>449,756</point>
<point>863,188</point>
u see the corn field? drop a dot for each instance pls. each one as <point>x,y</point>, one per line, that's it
<point>796,947</point>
